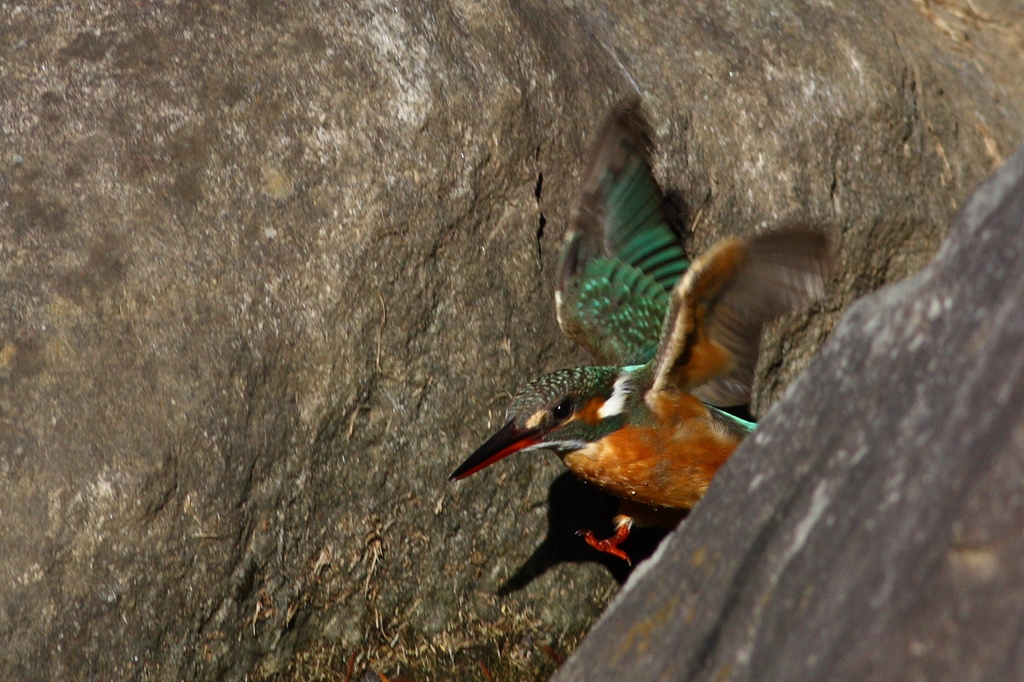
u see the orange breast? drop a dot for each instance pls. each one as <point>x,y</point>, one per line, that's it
<point>669,463</point>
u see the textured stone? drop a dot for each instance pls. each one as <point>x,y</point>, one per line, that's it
<point>269,270</point>
<point>871,528</point>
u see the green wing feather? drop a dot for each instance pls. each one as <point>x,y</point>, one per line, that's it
<point>619,312</point>
<point>635,229</point>
<point>620,258</point>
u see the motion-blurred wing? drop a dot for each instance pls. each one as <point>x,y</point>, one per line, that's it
<point>712,332</point>
<point>616,312</point>
<point>620,257</point>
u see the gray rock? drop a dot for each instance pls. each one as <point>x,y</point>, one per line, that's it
<point>269,269</point>
<point>871,528</point>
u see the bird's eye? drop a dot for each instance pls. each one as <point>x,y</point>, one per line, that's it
<point>562,410</point>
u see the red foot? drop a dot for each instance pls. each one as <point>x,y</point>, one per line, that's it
<point>609,545</point>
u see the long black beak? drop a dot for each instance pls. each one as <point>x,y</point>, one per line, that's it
<point>499,446</point>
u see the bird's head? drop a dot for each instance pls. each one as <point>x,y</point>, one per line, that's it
<point>563,411</point>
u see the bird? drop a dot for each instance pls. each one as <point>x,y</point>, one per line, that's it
<point>674,342</point>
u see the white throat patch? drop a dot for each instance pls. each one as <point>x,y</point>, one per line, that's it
<point>617,402</point>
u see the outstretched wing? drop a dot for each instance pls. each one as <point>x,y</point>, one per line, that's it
<point>712,331</point>
<point>613,310</point>
<point>620,257</point>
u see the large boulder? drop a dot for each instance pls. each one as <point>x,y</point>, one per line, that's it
<point>871,528</point>
<point>269,271</point>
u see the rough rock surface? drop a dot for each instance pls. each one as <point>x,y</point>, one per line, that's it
<point>880,504</point>
<point>269,270</point>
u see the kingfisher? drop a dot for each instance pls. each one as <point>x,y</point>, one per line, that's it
<point>674,342</point>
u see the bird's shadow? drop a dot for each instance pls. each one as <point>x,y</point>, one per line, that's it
<point>573,505</point>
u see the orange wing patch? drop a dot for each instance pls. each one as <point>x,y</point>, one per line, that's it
<point>688,357</point>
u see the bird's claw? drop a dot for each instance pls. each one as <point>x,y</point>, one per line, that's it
<point>608,545</point>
